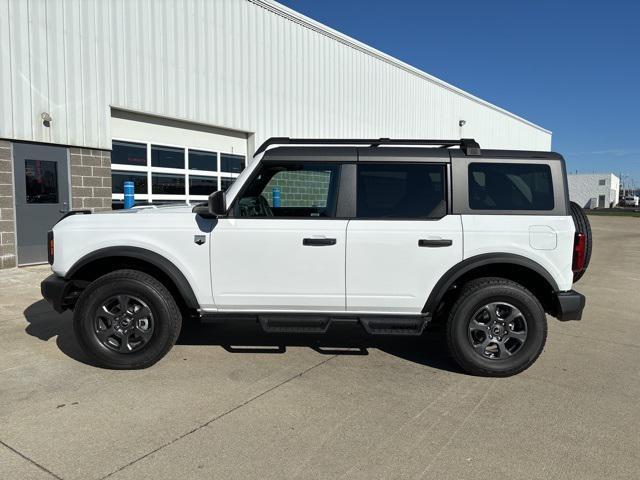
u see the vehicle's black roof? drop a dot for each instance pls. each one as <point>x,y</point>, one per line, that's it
<point>316,153</point>
<point>455,153</point>
<point>389,148</point>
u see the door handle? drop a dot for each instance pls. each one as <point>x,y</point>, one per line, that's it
<point>440,242</point>
<point>318,242</point>
<point>65,207</point>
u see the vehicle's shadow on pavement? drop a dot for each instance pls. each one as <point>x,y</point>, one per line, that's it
<point>45,323</point>
<point>245,336</point>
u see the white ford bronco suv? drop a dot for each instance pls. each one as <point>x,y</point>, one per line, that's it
<point>389,234</point>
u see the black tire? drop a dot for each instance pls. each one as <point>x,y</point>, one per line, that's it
<point>581,221</point>
<point>163,322</point>
<point>473,300</point>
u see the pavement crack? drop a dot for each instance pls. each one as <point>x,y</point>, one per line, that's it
<point>214,419</point>
<point>452,435</point>
<point>33,462</point>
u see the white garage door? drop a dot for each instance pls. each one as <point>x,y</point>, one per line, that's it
<point>171,161</point>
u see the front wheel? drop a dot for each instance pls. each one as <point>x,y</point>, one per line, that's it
<point>126,320</point>
<point>496,328</point>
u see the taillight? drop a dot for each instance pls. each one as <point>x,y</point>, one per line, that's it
<point>579,252</point>
<point>50,246</point>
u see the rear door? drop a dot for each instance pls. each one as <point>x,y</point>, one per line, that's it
<point>402,239</point>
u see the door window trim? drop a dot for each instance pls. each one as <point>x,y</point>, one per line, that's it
<point>348,191</point>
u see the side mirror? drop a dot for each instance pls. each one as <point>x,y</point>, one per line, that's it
<point>217,203</point>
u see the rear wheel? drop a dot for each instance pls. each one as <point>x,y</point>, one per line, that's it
<point>496,328</point>
<point>126,320</point>
<point>581,222</point>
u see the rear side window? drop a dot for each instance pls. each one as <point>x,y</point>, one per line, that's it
<point>510,186</point>
<point>401,191</point>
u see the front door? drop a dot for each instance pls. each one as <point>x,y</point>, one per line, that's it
<point>402,239</point>
<point>282,247</point>
<point>41,196</point>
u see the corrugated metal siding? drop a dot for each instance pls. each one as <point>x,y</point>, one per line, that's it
<point>235,64</point>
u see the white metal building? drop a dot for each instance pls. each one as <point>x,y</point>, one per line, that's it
<point>184,91</point>
<point>594,190</point>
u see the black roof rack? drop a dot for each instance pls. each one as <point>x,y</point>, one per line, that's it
<point>468,145</point>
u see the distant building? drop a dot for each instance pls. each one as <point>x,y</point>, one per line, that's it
<point>594,190</point>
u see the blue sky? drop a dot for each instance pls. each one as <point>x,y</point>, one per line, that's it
<point>572,67</point>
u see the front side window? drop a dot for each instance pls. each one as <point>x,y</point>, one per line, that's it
<point>300,190</point>
<point>510,186</point>
<point>400,190</point>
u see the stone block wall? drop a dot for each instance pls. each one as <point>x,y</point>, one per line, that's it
<point>300,189</point>
<point>90,179</point>
<point>7,213</point>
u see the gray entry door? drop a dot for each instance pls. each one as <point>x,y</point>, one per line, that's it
<point>41,176</point>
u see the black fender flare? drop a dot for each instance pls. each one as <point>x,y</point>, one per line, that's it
<point>471,263</point>
<point>158,261</point>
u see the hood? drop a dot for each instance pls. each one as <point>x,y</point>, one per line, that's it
<point>152,210</point>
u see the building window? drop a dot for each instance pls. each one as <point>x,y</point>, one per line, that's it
<point>202,185</point>
<point>200,160</point>
<point>166,184</point>
<point>170,173</point>
<point>139,181</point>
<point>225,183</point>
<point>231,163</point>
<point>602,182</point>
<point>41,181</point>
<point>128,153</point>
<point>167,157</point>
<point>510,186</point>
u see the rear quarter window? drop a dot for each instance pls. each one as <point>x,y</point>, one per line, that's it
<point>510,186</point>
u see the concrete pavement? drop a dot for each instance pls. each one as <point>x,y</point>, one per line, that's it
<point>232,402</point>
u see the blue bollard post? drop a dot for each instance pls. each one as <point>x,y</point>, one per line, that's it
<point>275,194</point>
<point>129,200</point>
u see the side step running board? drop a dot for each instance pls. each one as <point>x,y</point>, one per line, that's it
<point>318,323</point>
<point>294,323</point>
<point>394,325</point>
<point>373,324</point>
